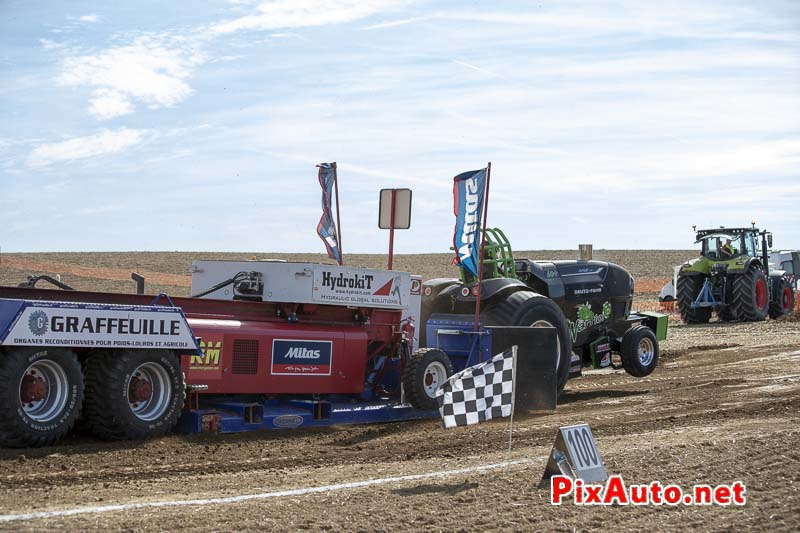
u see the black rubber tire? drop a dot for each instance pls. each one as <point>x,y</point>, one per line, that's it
<point>725,313</point>
<point>745,299</point>
<point>783,303</point>
<point>629,351</point>
<point>524,308</point>
<point>109,377</point>
<point>688,289</point>
<point>17,428</point>
<point>415,373</point>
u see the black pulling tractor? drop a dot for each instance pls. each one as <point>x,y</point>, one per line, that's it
<point>588,302</point>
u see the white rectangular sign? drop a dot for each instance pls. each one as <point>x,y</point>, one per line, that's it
<point>361,287</point>
<point>402,209</point>
<point>583,453</point>
<point>100,327</point>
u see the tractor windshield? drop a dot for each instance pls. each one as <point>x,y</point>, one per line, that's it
<point>721,247</point>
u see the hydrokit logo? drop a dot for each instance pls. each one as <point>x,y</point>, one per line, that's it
<point>352,281</point>
<point>359,287</point>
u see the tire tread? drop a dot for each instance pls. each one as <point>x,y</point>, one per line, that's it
<point>688,289</point>
<point>102,408</point>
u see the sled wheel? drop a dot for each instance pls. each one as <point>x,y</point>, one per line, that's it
<point>750,300</point>
<point>531,309</point>
<point>639,351</point>
<point>426,370</point>
<point>133,394</point>
<point>688,289</point>
<point>783,304</point>
<point>41,392</point>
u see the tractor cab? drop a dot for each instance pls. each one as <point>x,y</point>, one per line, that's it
<point>726,244</point>
<point>721,247</point>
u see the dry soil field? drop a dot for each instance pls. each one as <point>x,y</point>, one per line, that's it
<point>722,406</point>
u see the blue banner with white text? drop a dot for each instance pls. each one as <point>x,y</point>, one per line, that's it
<point>468,193</point>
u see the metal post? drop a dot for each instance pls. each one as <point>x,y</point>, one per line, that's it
<point>338,222</point>
<point>483,243</point>
<point>513,394</point>
<point>391,230</point>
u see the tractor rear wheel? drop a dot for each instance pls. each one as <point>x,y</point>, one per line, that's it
<point>783,304</point>
<point>425,371</point>
<point>41,392</point>
<point>689,288</point>
<point>531,309</point>
<point>439,304</point>
<point>133,394</point>
<point>639,351</point>
<point>751,295</point>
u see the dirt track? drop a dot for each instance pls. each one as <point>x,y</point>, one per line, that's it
<point>722,406</point>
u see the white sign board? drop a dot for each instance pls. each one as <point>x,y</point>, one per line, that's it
<point>575,454</point>
<point>360,287</point>
<point>100,326</point>
<point>402,209</point>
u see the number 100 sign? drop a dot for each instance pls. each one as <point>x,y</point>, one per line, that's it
<point>582,453</point>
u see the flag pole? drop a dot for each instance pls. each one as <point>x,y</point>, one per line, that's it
<point>483,243</point>
<point>513,393</point>
<point>338,222</point>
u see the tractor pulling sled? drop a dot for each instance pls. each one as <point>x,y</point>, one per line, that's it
<point>269,344</point>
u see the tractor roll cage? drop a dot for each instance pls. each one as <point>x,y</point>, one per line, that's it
<point>498,259</point>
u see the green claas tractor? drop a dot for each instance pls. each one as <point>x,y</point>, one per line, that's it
<point>732,277</point>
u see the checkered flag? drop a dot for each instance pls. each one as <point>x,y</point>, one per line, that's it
<point>479,392</point>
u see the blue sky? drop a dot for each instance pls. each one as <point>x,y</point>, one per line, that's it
<point>197,125</point>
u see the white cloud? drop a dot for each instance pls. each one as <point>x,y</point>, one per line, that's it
<point>89,211</point>
<point>479,69</point>
<point>304,13</point>
<point>394,23</point>
<point>49,44</point>
<point>151,70</point>
<point>286,35</point>
<point>108,103</point>
<point>103,143</point>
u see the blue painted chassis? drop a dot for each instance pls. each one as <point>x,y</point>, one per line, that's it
<point>235,417</point>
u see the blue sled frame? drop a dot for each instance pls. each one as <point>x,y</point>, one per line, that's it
<point>226,416</point>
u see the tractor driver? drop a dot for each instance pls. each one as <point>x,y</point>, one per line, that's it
<point>727,249</point>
